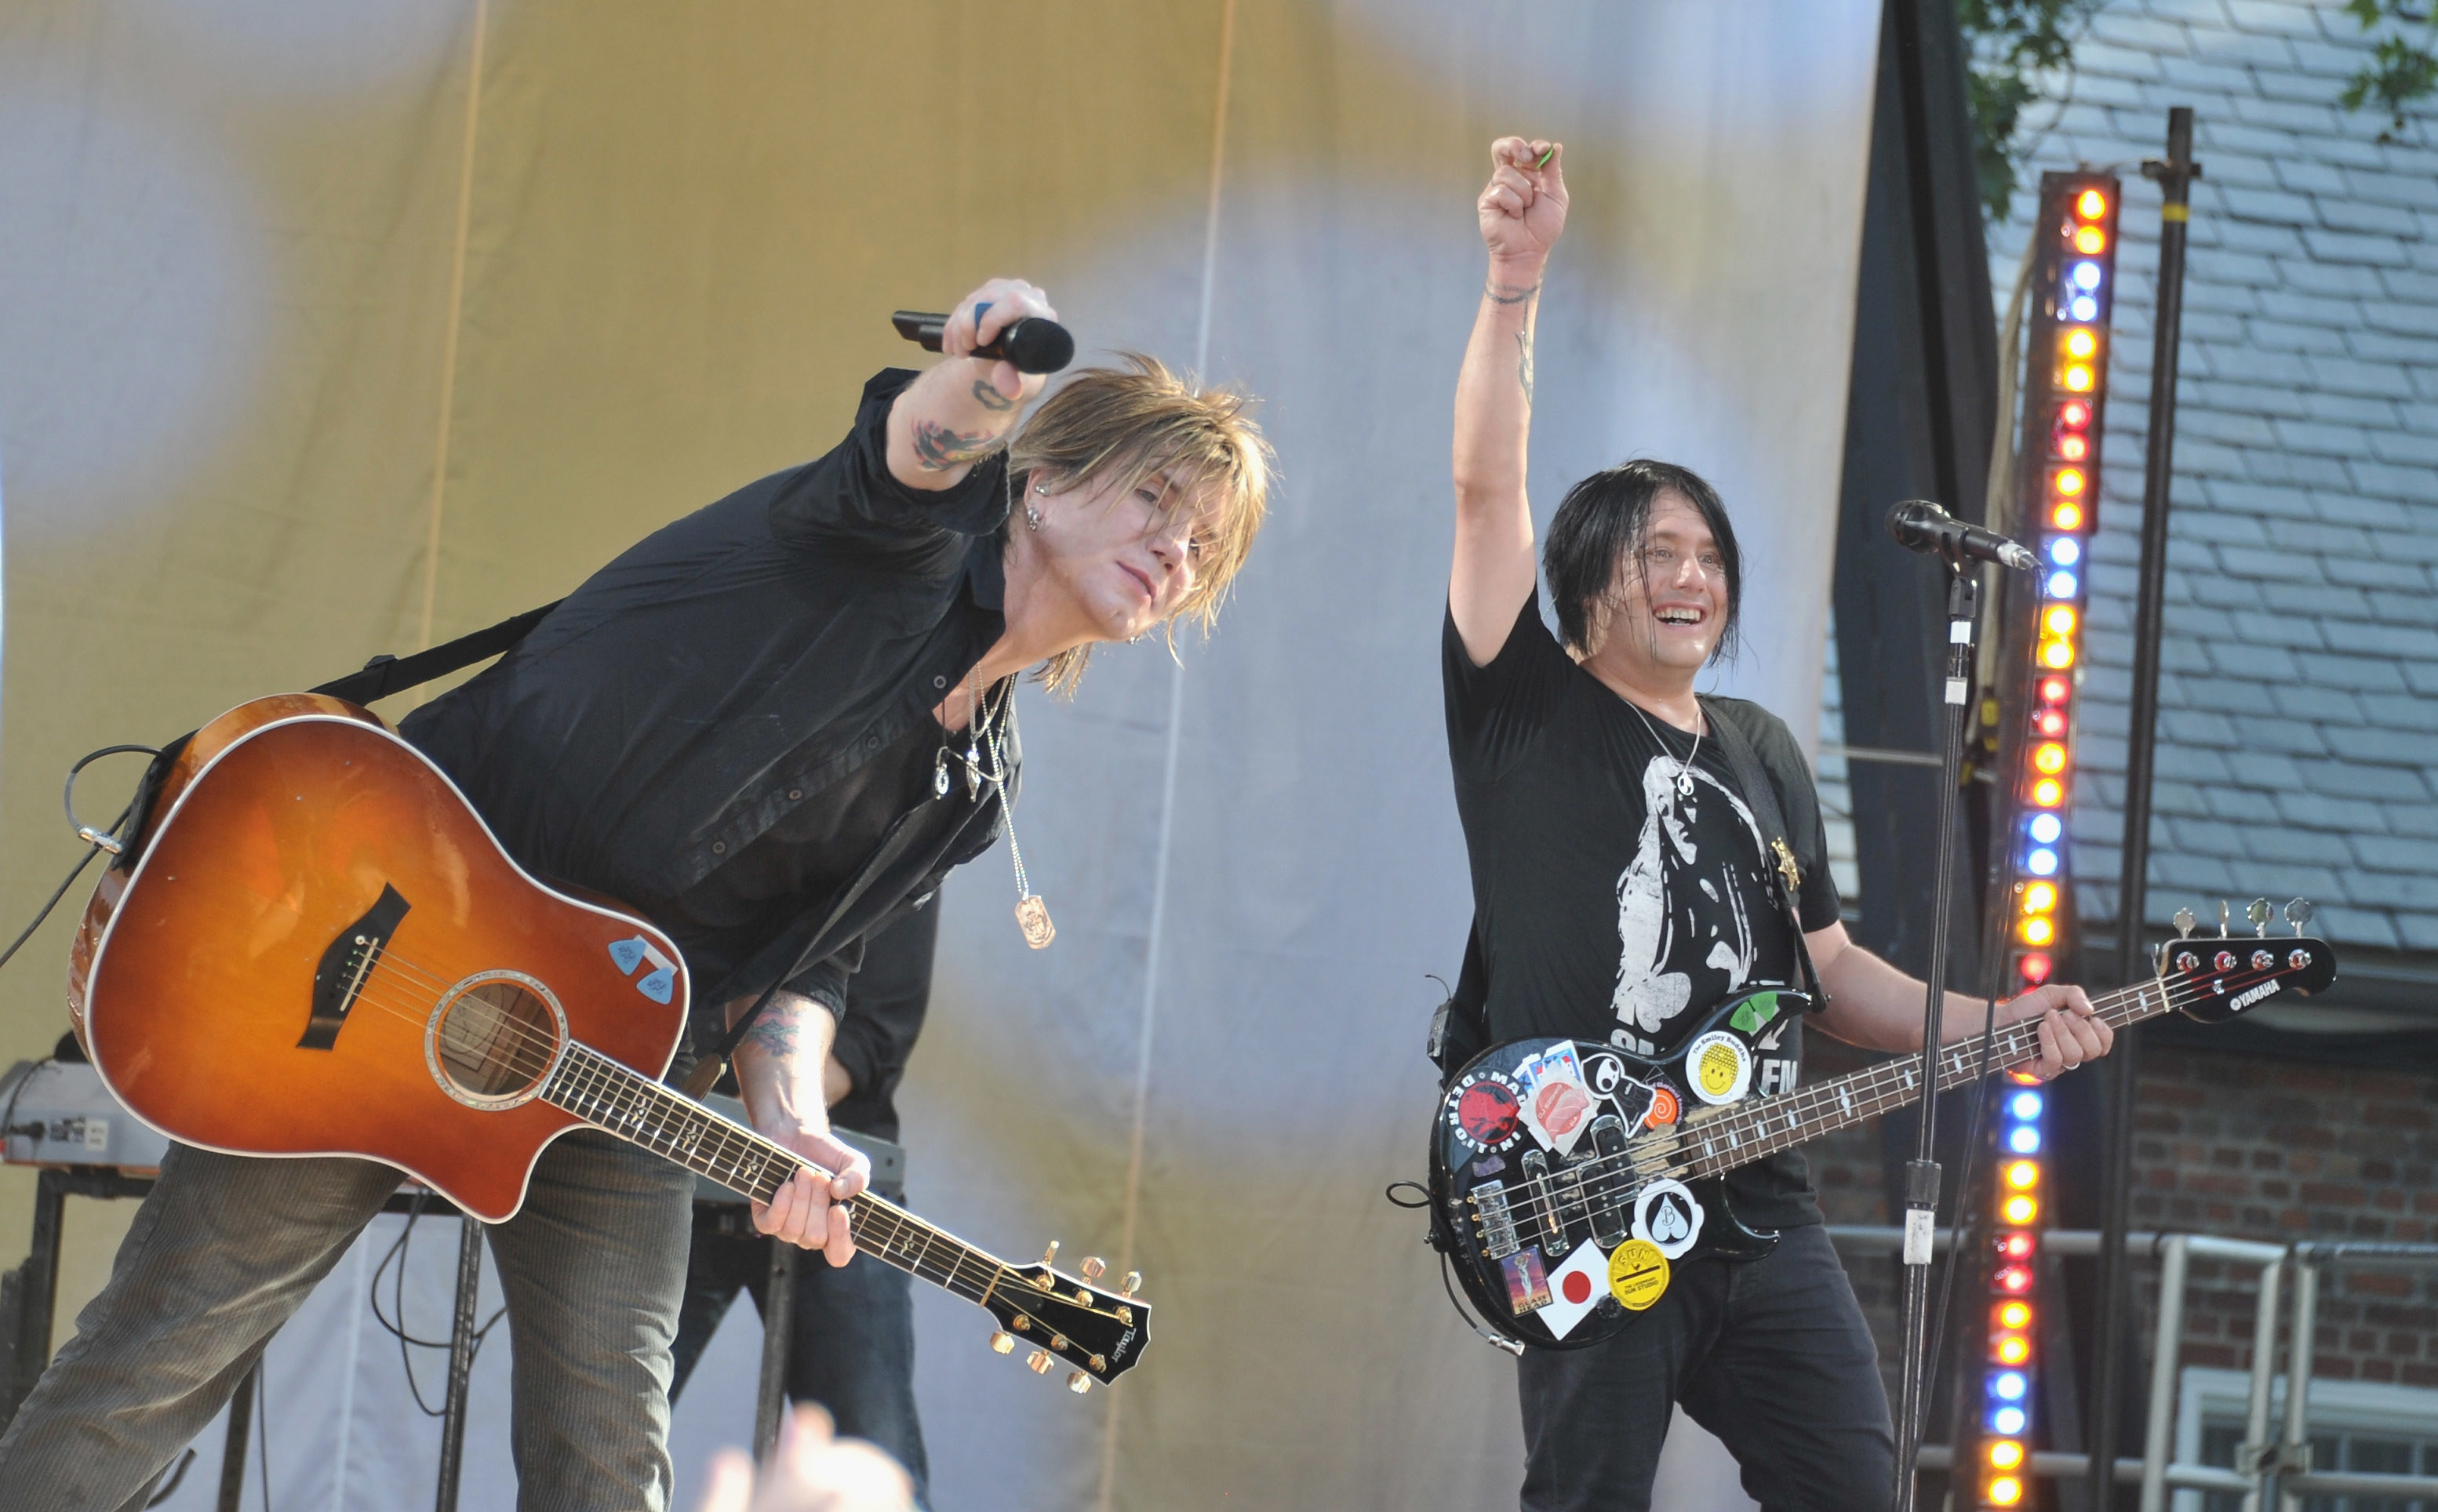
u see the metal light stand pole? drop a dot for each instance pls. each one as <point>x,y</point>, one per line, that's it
<point>1921,1173</point>
<point>2175,177</point>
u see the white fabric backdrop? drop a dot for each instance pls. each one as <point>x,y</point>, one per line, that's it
<point>1252,859</point>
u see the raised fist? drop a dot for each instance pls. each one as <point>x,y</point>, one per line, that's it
<point>1524,209</point>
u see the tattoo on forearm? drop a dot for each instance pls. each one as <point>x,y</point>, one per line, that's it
<point>1509,294</point>
<point>939,448</point>
<point>986,394</point>
<point>1524,363</point>
<point>774,1034</point>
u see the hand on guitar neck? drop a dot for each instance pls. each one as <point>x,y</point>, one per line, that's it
<point>1875,1006</point>
<point>782,1068</point>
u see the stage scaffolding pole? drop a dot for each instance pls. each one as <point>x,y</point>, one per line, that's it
<point>2175,177</point>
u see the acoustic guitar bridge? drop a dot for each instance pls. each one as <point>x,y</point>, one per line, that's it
<point>348,960</point>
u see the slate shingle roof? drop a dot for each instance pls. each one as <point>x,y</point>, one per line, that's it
<point>2298,737</point>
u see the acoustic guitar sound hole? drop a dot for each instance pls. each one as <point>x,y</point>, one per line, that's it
<point>496,1040</point>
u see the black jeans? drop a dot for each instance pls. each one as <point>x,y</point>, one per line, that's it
<point>1770,1355</point>
<point>853,1346</point>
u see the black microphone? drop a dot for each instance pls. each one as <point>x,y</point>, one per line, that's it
<point>1034,345</point>
<point>1919,525</point>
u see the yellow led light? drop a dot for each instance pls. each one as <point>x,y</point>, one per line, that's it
<point>2020,1210</point>
<point>2057,654</point>
<point>2078,378</point>
<point>2006,1491</point>
<point>2037,931</point>
<point>2090,204</point>
<point>2014,1314</point>
<point>2067,517</point>
<point>2040,898</point>
<point>2080,342</point>
<point>2049,757</point>
<point>2013,1350</point>
<point>2059,620</point>
<point>2022,1175</point>
<point>2090,241</point>
<point>2048,793</point>
<point>2070,482</point>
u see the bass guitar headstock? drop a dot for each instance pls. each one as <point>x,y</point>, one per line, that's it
<point>1100,1333</point>
<point>2214,977</point>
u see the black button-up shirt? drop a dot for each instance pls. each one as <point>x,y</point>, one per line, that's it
<point>717,728</point>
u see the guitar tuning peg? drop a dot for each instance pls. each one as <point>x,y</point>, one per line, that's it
<point>2298,913</point>
<point>1079,1384</point>
<point>2258,914</point>
<point>1039,1362</point>
<point>1002,1341</point>
<point>1133,1284</point>
<point>1050,1255</point>
<point>1093,1266</point>
<point>2184,922</point>
<point>2225,930</point>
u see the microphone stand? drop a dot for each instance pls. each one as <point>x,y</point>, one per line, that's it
<point>1921,1173</point>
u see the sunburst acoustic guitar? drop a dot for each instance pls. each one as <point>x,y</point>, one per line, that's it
<point>321,949</point>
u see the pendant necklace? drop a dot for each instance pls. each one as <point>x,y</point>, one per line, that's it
<point>1031,914</point>
<point>1684,763</point>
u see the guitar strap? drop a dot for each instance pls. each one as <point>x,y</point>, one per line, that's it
<point>1760,796</point>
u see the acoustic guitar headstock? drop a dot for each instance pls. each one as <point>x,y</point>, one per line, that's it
<point>1100,1333</point>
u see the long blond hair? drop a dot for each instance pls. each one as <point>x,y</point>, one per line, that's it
<point>1139,421</point>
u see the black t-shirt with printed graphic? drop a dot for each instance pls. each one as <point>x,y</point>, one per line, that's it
<point>1612,908</point>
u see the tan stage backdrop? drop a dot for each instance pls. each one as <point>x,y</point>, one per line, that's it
<point>341,328</point>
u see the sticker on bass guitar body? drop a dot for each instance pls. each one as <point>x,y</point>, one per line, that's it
<point>1637,1274</point>
<point>1668,1217</point>
<point>1527,1284</point>
<point>1557,1105</point>
<point>1482,1112</point>
<point>1719,1067</point>
<point>1577,1288</point>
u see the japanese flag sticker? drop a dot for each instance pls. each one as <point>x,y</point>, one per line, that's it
<point>1575,1289</point>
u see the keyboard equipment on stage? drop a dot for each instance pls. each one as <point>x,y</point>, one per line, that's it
<point>1568,1177</point>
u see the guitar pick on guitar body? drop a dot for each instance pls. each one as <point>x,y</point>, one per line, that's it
<point>1568,1179</point>
<point>321,949</point>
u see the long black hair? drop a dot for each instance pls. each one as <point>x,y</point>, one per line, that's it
<point>1602,524</point>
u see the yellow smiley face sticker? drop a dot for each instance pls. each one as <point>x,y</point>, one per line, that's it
<point>1637,1274</point>
<point>1719,1066</point>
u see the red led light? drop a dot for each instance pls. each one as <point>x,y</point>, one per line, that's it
<point>2016,1246</point>
<point>2074,415</point>
<point>2035,968</point>
<point>2051,723</point>
<point>2053,690</point>
<point>2017,1278</point>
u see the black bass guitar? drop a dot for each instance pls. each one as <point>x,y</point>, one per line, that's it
<point>1568,1179</point>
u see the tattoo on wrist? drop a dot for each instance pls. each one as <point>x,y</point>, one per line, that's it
<point>1499,293</point>
<point>986,394</point>
<point>774,1034</point>
<point>1524,363</point>
<point>937,448</point>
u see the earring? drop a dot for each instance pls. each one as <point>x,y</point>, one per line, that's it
<point>1041,488</point>
<point>1031,518</point>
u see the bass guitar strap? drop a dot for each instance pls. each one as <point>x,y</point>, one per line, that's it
<point>1761,794</point>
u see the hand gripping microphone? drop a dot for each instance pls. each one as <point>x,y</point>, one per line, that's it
<point>1919,525</point>
<point>1035,345</point>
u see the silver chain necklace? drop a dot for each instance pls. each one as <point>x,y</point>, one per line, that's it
<point>988,731</point>
<point>1685,764</point>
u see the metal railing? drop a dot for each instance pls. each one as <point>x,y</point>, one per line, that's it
<point>2264,1468</point>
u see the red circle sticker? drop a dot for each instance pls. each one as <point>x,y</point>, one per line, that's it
<point>1486,1112</point>
<point>1578,1288</point>
<point>1662,1108</point>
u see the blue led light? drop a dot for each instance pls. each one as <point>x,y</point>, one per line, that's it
<point>2042,862</point>
<point>2006,1421</point>
<point>2083,307</point>
<point>2045,828</point>
<point>2024,1105</point>
<point>2063,585</point>
<point>2008,1385</point>
<point>2085,275</point>
<point>2064,550</point>
<point>2024,1140</point>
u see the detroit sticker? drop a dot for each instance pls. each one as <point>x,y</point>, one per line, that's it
<point>1482,1111</point>
<point>1527,1284</point>
<point>1637,1274</point>
<point>1719,1067</point>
